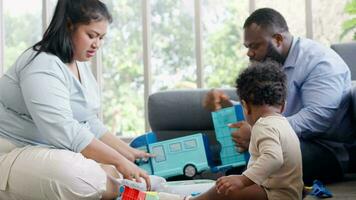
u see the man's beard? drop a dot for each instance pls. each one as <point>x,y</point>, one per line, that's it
<point>272,54</point>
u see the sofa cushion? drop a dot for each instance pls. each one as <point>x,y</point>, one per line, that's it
<point>180,112</point>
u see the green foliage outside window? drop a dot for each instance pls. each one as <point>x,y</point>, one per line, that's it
<point>17,37</point>
<point>123,85</point>
<point>350,25</point>
<point>224,54</point>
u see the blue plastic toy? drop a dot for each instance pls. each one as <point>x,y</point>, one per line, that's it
<point>319,190</point>
<point>191,154</point>
<point>179,156</point>
<point>144,140</point>
<point>228,154</point>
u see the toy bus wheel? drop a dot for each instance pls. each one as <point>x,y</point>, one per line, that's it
<point>189,171</point>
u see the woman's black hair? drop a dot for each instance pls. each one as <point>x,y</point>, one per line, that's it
<point>69,13</point>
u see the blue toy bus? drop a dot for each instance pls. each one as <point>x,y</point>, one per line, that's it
<point>180,156</point>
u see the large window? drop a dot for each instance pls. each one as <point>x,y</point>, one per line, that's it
<point>224,54</point>
<point>123,105</point>
<point>292,11</point>
<point>327,23</point>
<point>22,27</point>
<point>173,59</point>
<point>179,54</point>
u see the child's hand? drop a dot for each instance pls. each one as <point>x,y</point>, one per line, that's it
<point>241,136</point>
<point>226,184</point>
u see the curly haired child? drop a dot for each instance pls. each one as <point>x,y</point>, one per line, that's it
<point>274,170</point>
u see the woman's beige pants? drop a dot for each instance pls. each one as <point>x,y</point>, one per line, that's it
<point>37,173</point>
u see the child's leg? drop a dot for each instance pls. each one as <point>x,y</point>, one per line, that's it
<point>253,192</point>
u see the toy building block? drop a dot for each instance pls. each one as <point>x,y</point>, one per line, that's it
<point>152,196</point>
<point>132,194</point>
<point>228,154</point>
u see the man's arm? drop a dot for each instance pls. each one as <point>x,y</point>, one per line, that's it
<point>321,95</point>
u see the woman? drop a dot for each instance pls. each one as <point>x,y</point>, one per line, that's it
<point>51,140</point>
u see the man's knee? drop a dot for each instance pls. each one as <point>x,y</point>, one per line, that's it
<point>319,163</point>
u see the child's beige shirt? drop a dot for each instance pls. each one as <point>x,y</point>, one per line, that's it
<point>275,162</point>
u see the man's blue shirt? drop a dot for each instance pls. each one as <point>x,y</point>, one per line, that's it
<point>319,85</point>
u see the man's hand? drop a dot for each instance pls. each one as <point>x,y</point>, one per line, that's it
<point>215,100</point>
<point>241,136</point>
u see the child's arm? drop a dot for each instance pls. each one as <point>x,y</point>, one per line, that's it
<point>270,159</point>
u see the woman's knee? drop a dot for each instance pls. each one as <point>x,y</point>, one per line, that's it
<point>58,174</point>
<point>81,179</point>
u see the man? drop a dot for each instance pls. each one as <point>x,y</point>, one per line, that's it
<point>319,85</point>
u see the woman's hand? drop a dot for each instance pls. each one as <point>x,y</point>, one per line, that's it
<point>123,148</point>
<point>103,153</point>
<point>138,154</point>
<point>130,171</point>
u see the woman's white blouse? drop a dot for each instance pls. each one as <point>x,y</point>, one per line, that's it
<point>43,103</point>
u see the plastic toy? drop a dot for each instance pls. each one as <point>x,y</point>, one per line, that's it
<point>191,154</point>
<point>167,190</point>
<point>319,190</point>
<point>228,154</point>
<point>133,194</point>
<point>180,156</point>
<point>152,196</point>
<point>187,187</point>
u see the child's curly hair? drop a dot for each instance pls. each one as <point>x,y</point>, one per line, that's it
<point>262,83</point>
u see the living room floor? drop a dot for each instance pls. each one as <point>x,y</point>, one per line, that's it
<point>345,190</point>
